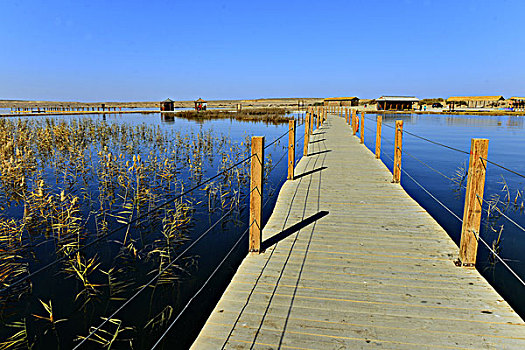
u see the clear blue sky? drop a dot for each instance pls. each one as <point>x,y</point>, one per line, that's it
<point>92,50</point>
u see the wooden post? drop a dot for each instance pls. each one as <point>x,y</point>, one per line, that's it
<point>256,191</point>
<point>378,136</point>
<point>468,246</point>
<point>291,149</point>
<point>307,132</point>
<point>317,120</point>
<point>398,147</point>
<point>312,117</point>
<point>362,127</point>
<point>354,122</point>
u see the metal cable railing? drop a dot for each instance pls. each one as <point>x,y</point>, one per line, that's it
<point>224,259</point>
<point>477,235</point>
<point>152,280</point>
<point>131,222</point>
<point>503,167</point>
<point>120,228</point>
<point>201,288</point>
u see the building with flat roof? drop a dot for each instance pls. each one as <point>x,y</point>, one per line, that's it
<point>396,103</point>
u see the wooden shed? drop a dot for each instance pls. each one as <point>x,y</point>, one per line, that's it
<point>200,105</point>
<point>167,105</point>
<point>476,101</point>
<point>396,103</point>
<point>341,101</point>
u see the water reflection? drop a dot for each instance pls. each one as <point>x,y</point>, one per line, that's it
<point>167,118</point>
<point>408,117</point>
<point>510,121</point>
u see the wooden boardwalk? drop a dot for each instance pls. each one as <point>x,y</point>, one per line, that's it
<point>352,262</point>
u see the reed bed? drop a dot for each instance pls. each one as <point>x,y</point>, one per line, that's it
<point>64,184</point>
<point>271,115</point>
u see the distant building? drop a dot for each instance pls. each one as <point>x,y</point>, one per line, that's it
<point>167,105</point>
<point>476,101</point>
<point>341,101</point>
<point>396,103</point>
<point>517,103</point>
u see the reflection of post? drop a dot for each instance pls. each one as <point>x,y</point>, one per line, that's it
<point>256,191</point>
<point>473,202</point>
<point>291,149</point>
<point>398,147</point>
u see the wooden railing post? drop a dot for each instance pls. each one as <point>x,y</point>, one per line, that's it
<point>378,136</point>
<point>317,121</point>
<point>468,246</point>
<point>291,149</point>
<point>398,147</point>
<point>312,121</point>
<point>307,132</point>
<point>362,127</point>
<point>256,191</point>
<point>354,124</point>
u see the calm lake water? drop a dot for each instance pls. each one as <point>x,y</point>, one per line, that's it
<point>147,315</point>
<point>506,136</point>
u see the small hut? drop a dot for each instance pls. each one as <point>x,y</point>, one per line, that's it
<point>396,103</point>
<point>341,101</point>
<point>200,105</point>
<point>167,105</point>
